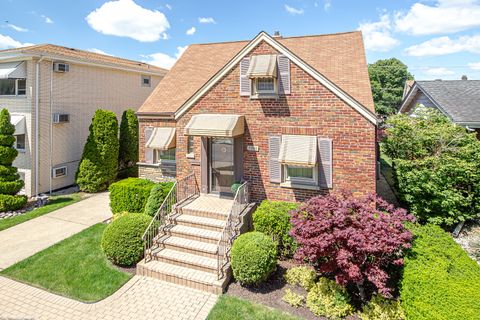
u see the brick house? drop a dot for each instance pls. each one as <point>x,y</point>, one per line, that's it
<point>293,116</point>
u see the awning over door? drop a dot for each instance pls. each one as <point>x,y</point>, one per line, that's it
<point>215,125</point>
<point>298,150</point>
<point>162,139</point>
<point>262,66</point>
<point>19,122</point>
<point>13,70</point>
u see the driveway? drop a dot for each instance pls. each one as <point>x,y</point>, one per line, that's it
<point>140,298</point>
<point>25,239</point>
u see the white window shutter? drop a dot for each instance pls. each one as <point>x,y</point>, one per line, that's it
<point>148,151</point>
<point>245,82</point>
<point>325,168</point>
<point>275,167</point>
<point>283,64</point>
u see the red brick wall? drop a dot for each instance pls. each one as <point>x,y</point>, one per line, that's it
<point>309,109</point>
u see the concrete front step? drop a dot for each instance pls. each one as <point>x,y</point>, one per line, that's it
<point>183,276</point>
<point>192,233</point>
<point>189,260</point>
<point>203,213</point>
<point>181,244</point>
<point>198,222</point>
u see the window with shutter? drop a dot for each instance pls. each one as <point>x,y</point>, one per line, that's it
<point>283,74</point>
<point>245,82</point>
<point>275,166</point>
<point>325,166</point>
<point>148,151</point>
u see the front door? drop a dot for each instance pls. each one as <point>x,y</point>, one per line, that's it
<point>221,165</point>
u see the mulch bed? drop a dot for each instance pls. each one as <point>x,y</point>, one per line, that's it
<point>469,239</point>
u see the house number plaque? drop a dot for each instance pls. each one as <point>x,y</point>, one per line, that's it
<point>252,148</point>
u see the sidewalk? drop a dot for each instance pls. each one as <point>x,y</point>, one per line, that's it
<point>23,240</point>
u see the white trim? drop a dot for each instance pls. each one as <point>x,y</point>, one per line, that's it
<point>262,36</point>
<point>301,181</point>
<point>54,174</point>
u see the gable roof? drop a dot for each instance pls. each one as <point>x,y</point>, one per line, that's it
<point>59,52</point>
<point>338,59</point>
<point>457,99</point>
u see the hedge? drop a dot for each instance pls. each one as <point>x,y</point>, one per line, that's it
<point>440,281</point>
<point>130,195</point>
<point>157,195</point>
<point>128,151</point>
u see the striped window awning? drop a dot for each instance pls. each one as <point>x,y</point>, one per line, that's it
<point>13,70</point>
<point>298,150</point>
<point>262,66</point>
<point>19,122</point>
<point>162,139</point>
<point>215,125</point>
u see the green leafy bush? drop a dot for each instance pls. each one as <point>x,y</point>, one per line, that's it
<point>273,219</point>
<point>99,163</point>
<point>380,308</point>
<point>327,298</point>
<point>122,239</point>
<point>10,182</point>
<point>130,195</point>
<point>157,195</point>
<point>253,258</point>
<point>302,276</point>
<point>440,281</point>
<point>128,149</point>
<point>294,299</point>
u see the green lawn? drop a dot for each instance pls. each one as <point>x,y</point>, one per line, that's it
<point>231,308</point>
<point>53,204</point>
<point>75,267</point>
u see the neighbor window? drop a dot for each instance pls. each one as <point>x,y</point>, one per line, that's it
<point>20,142</point>
<point>301,175</point>
<point>165,155</point>
<point>190,144</point>
<point>13,87</point>
<point>146,81</point>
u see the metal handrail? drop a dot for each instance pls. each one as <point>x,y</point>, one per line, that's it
<point>230,230</point>
<point>181,190</point>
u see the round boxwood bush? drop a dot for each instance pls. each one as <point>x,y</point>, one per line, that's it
<point>130,195</point>
<point>157,195</point>
<point>122,239</point>
<point>254,257</point>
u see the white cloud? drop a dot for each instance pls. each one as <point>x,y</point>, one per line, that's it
<point>377,35</point>
<point>439,71</point>
<point>168,6</point>
<point>206,20</point>
<point>125,18</point>
<point>95,50</point>
<point>293,10</point>
<point>191,31</point>
<point>164,60</point>
<point>445,45</point>
<point>327,4</point>
<point>7,42</point>
<point>474,65</point>
<point>446,16</point>
<point>47,19</point>
<point>17,28</point>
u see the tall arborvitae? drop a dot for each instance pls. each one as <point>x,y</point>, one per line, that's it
<point>128,153</point>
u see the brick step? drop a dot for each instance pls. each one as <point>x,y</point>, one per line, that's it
<point>189,260</point>
<point>198,222</point>
<point>183,276</point>
<point>201,248</point>
<point>192,233</point>
<point>203,213</point>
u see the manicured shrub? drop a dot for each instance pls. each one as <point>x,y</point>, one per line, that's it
<point>130,195</point>
<point>253,258</point>
<point>273,219</point>
<point>99,163</point>
<point>440,281</point>
<point>380,308</point>
<point>10,182</point>
<point>302,276</point>
<point>294,299</point>
<point>327,298</point>
<point>122,239</point>
<point>157,195</point>
<point>128,150</point>
<point>354,239</point>
<point>436,165</point>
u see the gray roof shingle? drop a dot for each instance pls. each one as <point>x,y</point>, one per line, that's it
<point>460,99</point>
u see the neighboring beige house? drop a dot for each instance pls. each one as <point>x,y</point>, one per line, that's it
<point>52,93</point>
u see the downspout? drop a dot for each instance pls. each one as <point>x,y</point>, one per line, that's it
<point>51,131</point>
<point>37,113</point>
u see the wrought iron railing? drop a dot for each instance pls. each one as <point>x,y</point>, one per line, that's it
<point>182,189</point>
<point>231,229</point>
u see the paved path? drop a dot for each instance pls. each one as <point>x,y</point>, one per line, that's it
<point>30,237</point>
<point>140,298</point>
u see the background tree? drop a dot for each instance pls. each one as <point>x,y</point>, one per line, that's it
<point>387,78</point>
<point>10,182</point>
<point>99,164</point>
<point>128,152</point>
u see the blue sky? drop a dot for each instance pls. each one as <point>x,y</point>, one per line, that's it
<point>435,38</point>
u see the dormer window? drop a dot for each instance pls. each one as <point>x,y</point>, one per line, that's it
<point>262,73</point>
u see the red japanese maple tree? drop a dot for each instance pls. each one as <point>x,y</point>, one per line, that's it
<point>354,239</point>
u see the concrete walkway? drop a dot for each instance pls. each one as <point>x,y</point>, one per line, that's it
<point>140,298</point>
<point>30,237</point>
